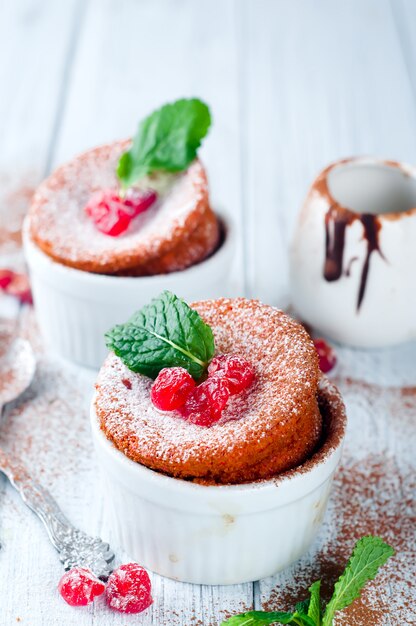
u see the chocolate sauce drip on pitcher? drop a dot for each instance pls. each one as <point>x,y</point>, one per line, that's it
<point>336,223</point>
<point>337,219</point>
<point>372,227</point>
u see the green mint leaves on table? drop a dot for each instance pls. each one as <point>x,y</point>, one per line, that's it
<point>166,140</point>
<point>369,554</point>
<point>164,333</point>
<point>262,618</point>
<point>314,603</point>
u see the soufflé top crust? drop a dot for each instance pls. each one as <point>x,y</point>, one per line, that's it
<point>271,427</point>
<point>179,230</point>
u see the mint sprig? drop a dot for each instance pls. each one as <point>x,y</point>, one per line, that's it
<point>263,618</point>
<point>369,554</point>
<point>164,333</point>
<point>314,608</point>
<point>166,140</point>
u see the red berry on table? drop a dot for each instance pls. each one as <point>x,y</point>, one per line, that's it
<point>6,277</point>
<point>236,370</point>
<point>20,289</point>
<point>112,214</point>
<point>79,586</point>
<point>17,285</point>
<point>171,388</point>
<point>206,402</point>
<point>327,356</point>
<point>129,589</point>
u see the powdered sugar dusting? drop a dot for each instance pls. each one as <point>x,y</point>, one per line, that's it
<point>254,425</point>
<point>59,225</point>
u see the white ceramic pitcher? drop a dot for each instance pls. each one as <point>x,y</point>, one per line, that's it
<point>353,257</point>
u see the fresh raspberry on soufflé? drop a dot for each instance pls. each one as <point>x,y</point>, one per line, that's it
<point>266,423</point>
<point>132,208</point>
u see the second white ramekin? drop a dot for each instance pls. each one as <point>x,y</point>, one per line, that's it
<point>74,309</point>
<point>218,534</point>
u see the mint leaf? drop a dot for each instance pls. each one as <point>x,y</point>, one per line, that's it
<point>303,607</point>
<point>314,609</point>
<point>263,618</point>
<point>305,620</point>
<point>164,333</point>
<point>369,554</point>
<point>259,618</point>
<point>302,619</point>
<point>167,140</point>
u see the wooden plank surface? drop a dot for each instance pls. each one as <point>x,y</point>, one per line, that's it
<point>292,85</point>
<point>36,41</point>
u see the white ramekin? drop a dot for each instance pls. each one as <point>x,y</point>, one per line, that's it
<point>75,308</point>
<point>218,534</point>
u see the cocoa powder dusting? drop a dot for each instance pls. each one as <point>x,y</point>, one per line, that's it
<point>373,493</point>
<point>47,426</point>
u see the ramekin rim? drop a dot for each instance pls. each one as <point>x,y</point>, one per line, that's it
<point>109,279</point>
<point>371,160</point>
<point>367,160</point>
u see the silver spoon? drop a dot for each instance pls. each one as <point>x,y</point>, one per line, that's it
<point>17,368</point>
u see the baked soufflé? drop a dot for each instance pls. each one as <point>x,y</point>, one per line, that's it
<point>219,392</point>
<point>132,208</point>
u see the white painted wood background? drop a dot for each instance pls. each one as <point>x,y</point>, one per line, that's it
<point>292,85</point>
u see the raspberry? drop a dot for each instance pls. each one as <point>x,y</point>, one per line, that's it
<point>6,277</point>
<point>79,586</point>
<point>171,388</point>
<point>20,289</point>
<point>236,370</point>
<point>112,214</point>
<point>139,200</point>
<point>206,402</point>
<point>129,589</point>
<point>16,285</point>
<point>327,356</point>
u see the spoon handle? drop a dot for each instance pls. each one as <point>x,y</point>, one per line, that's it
<point>75,547</point>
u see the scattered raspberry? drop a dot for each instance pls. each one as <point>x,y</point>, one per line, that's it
<point>129,589</point>
<point>236,370</point>
<point>327,356</point>
<point>79,586</point>
<point>206,402</point>
<point>171,388</point>
<point>17,285</point>
<point>112,214</point>
<point>6,277</point>
<point>20,289</point>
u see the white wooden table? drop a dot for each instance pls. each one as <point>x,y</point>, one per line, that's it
<point>292,84</point>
